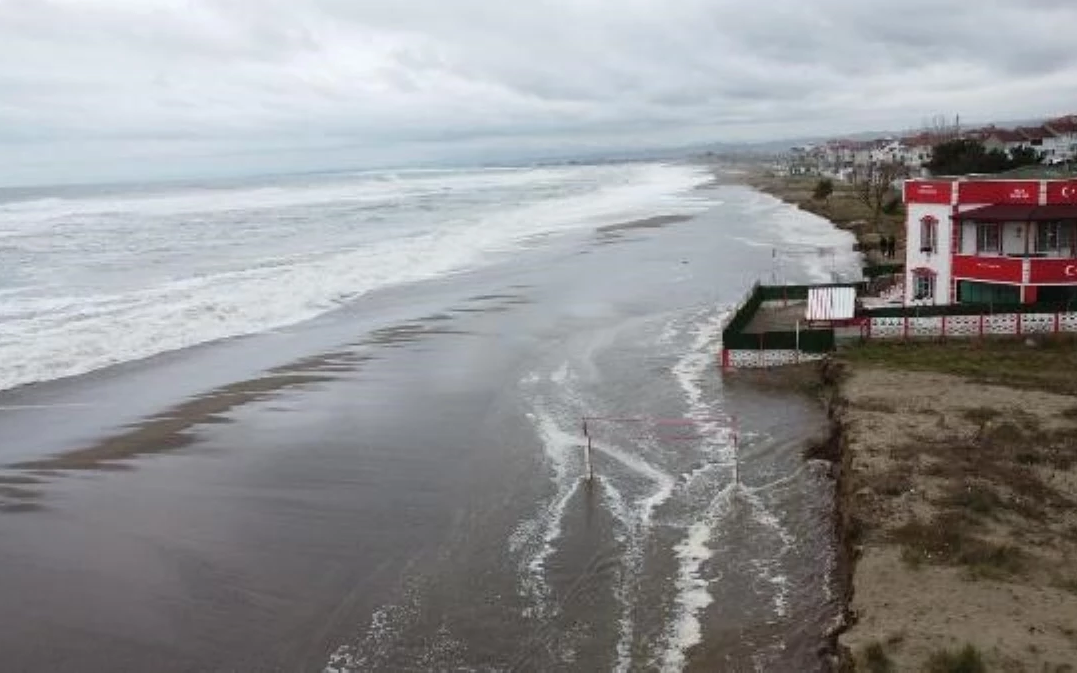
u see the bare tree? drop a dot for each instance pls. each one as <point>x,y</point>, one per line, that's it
<point>941,129</point>
<point>873,185</point>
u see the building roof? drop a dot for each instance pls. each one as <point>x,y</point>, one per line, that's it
<point>1019,213</point>
<point>1007,136</point>
<point>1035,132</point>
<point>1061,125</point>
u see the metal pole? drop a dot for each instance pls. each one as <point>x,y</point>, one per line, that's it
<point>736,454</point>
<point>590,466</point>
<point>797,347</point>
<point>587,454</point>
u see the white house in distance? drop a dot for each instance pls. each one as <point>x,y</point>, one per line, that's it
<point>1065,129</point>
<point>1043,140</point>
<point>979,241</point>
<point>1006,140</point>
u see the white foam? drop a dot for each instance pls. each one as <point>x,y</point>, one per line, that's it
<point>810,247</point>
<point>102,280</point>
<point>623,590</point>
<point>535,538</point>
<point>693,593</point>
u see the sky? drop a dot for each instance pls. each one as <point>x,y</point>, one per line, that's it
<point>94,90</point>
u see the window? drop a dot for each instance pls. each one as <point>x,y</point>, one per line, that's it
<point>923,286</point>
<point>987,238</point>
<point>929,234</point>
<point>1053,237</point>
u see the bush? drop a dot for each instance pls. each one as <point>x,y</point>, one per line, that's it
<point>968,660</point>
<point>876,660</point>
<point>823,189</point>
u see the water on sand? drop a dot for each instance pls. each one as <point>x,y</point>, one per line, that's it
<point>397,485</point>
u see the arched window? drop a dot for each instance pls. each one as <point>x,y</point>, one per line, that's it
<point>929,234</point>
<point>923,284</point>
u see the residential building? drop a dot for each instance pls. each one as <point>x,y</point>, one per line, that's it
<point>1043,140</point>
<point>1005,140</point>
<point>1065,129</point>
<point>990,241</point>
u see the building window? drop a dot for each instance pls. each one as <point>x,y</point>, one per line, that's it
<point>987,238</point>
<point>929,234</point>
<point>923,286</point>
<point>1053,237</point>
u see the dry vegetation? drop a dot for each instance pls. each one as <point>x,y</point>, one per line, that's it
<point>961,497</point>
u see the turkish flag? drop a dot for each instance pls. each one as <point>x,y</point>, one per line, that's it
<point>1062,191</point>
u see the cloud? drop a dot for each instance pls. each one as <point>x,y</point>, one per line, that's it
<point>100,87</point>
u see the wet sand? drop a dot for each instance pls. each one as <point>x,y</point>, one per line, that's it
<point>396,486</point>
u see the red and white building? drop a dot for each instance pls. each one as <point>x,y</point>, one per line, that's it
<point>979,241</point>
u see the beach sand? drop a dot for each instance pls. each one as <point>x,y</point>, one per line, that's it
<point>959,495</point>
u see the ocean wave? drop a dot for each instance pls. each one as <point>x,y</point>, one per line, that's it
<point>121,278</point>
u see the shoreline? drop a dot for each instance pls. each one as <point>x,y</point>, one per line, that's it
<point>841,209</point>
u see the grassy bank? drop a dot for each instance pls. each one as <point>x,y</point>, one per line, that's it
<point>958,498</point>
<point>1043,364</point>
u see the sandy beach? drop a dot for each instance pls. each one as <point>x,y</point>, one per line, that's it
<point>958,505</point>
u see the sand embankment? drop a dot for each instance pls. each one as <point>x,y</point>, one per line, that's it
<point>957,502</point>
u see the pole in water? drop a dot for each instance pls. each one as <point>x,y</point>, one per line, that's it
<point>587,455</point>
<point>736,456</point>
<point>590,464</point>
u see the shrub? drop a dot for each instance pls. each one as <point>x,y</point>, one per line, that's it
<point>968,660</point>
<point>876,660</point>
<point>823,189</point>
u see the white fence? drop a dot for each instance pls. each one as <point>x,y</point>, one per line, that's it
<point>958,326</point>
<point>916,327</point>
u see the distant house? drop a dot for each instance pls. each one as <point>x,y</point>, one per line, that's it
<point>916,151</point>
<point>839,155</point>
<point>1005,140</point>
<point>886,150</point>
<point>1065,130</point>
<point>1043,140</point>
<point>862,152</point>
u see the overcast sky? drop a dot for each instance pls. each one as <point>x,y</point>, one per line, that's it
<point>104,89</point>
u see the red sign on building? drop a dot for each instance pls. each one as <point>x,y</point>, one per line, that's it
<point>1025,192</point>
<point>928,191</point>
<point>1000,269</point>
<point>1062,191</point>
<point>1053,271</point>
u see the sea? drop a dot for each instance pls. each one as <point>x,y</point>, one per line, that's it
<point>419,500</point>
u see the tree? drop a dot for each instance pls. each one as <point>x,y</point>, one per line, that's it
<point>1024,156</point>
<point>823,189</point>
<point>963,156</point>
<point>873,184</point>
